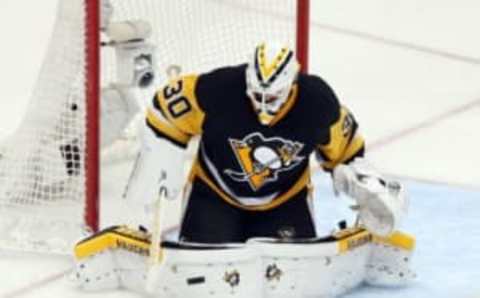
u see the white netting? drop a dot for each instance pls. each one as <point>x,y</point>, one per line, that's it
<point>42,177</point>
<point>200,35</point>
<point>42,164</point>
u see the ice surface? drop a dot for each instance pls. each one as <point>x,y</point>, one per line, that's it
<point>444,221</point>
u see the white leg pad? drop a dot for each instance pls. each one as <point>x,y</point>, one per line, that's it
<point>263,267</point>
<point>207,272</point>
<point>389,266</point>
<point>310,269</point>
<point>98,272</point>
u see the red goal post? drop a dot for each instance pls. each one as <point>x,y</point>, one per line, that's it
<point>92,95</point>
<point>303,31</point>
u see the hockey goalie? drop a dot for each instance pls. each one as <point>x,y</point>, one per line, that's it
<point>247,228</point>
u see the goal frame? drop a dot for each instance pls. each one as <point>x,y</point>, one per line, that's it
<point>92,164</point>
<point>92,90</point>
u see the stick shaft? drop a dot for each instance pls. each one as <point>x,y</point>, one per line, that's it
<point>156,252</point>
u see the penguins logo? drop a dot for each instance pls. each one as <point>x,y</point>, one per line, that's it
<point>261,159</point>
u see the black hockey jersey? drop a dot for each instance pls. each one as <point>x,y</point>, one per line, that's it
<point>250,165</point>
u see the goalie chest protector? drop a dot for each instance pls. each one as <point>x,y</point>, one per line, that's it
<point>254,159</point>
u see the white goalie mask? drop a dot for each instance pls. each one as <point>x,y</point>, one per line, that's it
<point>270,74</point>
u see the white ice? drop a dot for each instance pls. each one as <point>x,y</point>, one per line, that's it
<point>410,72</point>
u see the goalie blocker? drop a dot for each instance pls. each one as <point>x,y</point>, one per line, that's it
<point>263,267</point>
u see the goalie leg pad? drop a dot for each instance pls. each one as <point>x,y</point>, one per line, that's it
<point>323,267</point>
<point>210,271</point>
<point>111,259</point>
<point>390,261</point>
<point>316,268</point>
<point>110,270</point>
<point>98,272</point>
<point>117,258</point>
<point>331,266</point>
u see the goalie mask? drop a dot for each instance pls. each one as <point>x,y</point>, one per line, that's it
<point>270,75</point>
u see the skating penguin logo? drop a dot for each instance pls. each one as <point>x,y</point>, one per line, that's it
<point>261,159</point>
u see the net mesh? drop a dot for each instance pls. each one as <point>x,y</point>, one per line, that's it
<point>42,166</point>
<point>200,35</point>
<point>42,174</point>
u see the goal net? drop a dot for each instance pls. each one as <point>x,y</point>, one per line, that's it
<point>49,167</point>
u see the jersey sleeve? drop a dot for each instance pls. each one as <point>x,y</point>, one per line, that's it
<point>344,141</point>
<point>174,113</point>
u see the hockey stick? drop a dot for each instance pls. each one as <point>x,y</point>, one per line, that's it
<point>156,258</point>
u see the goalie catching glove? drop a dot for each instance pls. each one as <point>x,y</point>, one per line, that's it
<point>380,203</point>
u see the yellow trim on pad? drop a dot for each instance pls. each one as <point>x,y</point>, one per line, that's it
<point>397,239</point>
<point>119,237</point>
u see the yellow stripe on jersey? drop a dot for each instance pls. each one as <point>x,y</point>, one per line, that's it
<point>166,129</point>
<point>268,68</point>
<point>292,98</point>
<point>302,182</point>
<point>178,103</point>
<point>344,143</point>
